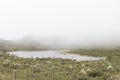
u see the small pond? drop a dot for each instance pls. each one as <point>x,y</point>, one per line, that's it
<point>53,54</point>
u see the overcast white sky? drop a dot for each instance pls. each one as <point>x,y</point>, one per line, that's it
<point>89,19</point>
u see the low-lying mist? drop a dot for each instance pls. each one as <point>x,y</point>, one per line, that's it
<point>74,41</point>
<point>59,42</point>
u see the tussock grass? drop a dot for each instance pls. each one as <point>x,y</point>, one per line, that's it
<point>60,69</point>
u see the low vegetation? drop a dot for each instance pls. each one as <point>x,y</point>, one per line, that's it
<point>16,68</point>
<point>112,55</point>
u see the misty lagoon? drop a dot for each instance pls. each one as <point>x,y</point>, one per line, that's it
<point>53,54</point>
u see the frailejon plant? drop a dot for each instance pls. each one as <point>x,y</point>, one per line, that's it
<point>110,69</point>
<point>15,74</point>
<point>84,74</point>
<point>71,69</point>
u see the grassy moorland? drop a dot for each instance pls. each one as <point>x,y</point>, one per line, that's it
<point>112,55</point>
<point>15,68</point>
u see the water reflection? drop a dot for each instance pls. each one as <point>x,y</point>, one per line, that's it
<point>53,54</point>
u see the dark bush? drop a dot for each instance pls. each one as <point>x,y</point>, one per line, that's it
<point>95,74</point>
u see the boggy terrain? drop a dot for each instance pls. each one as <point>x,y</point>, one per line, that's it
<point>112,55</point>
<point>16,68</point>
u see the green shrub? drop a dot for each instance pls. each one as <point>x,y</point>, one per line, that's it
<point>95,73</point>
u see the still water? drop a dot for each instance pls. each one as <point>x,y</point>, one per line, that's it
<point>52,54</point>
